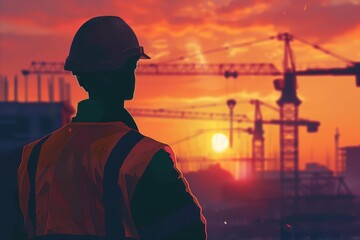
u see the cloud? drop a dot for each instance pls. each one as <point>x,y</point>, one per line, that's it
<point>49,13</point>
<point>17,51</point>
<point>177,23</point>
<point>306,18</point>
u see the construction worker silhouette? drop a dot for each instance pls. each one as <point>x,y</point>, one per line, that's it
<point>98,177</point>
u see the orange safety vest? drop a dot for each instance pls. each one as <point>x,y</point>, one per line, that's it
<point>68,180</point>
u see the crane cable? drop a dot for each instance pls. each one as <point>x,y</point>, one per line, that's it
<point>269,106</point>
<point>202,131</point>
<point>208,105</point>
<point>328,52</point>
<point>315,46</point>
<point>219,49</point>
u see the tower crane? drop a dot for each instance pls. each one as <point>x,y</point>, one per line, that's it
<point>288,102</point>
<point>257,132</point>
<point>258,146</point>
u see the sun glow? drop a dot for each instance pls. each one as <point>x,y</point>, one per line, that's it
<point>220,142</point>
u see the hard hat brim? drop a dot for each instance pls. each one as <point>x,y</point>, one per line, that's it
<point>144,56</point>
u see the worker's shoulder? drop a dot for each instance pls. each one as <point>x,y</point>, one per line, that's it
<point>149,139</point>
<point>28,149</point>
<point>155,145</point>
<point>163,157</point>
<point>32,144</point>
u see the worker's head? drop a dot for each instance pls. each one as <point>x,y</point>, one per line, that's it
<point>103,56</point>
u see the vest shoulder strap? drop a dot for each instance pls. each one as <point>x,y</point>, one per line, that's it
<point>112,195</point>
<point>32,167</point>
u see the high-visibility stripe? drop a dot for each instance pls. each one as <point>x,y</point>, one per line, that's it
<point>130,173</point>
<point>172,223</point>
<point>32,166</point>
<point>112,194</point>
<point>24,189</point>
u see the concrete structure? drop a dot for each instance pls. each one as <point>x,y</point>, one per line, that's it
<point>23,122</point>
<point>20,124</point>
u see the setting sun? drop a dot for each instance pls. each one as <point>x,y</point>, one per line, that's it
<point>219,142</point>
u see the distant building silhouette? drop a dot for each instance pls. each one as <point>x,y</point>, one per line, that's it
<point>351,160</point>
<point>20,124</point>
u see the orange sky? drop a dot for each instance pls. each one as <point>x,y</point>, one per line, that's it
<point>43,30</point>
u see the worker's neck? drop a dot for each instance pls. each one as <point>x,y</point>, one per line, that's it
<point>100,110</point>
<point>108,105</point>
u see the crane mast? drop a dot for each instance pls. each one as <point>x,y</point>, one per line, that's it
<point>258,146</point>
<point>289,133</point>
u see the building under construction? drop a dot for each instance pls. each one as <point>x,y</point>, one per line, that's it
<point>285,203</point>
<point>22,122</point>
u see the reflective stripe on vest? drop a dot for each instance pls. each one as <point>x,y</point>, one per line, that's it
<point>130,174</point>
<point>32,166</point>
<point>112,196</point>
